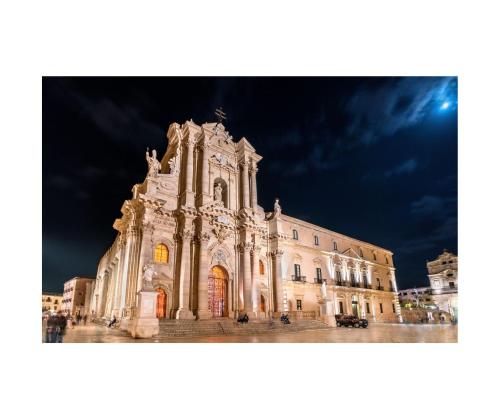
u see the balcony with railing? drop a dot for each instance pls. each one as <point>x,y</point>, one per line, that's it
<point>318,280</point>
<point>298,278</point>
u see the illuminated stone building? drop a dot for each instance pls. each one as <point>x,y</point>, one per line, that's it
<point>51,302</point>
<point>195,230</point>
<point>77,295</point>
<point>443,279</point>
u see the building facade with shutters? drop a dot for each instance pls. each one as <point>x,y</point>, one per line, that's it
<point>77,296</point>
<point>51,302</point>
<point>195,222</point>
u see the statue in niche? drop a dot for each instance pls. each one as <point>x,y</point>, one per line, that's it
<point>154,165</point>
<point>277,207</point>
<point>148,272</point>
<point>218,192</point>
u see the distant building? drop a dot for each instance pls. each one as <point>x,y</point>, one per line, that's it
<point>51,302</point>
<point>443,278</point>
<point>76,297</point>
<point>415,297</point>
<point>442,294</point>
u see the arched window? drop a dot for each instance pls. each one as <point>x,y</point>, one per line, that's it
<point>161,253</point>
<point>261,268</point>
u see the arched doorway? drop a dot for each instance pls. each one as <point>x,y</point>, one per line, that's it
<point>217,291</point>
<point>161,303</point>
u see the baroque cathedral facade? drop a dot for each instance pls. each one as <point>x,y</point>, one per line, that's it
<point>194,233</point>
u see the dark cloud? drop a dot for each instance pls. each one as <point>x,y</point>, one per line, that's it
<point>407,167</point>
<point>398,103</point>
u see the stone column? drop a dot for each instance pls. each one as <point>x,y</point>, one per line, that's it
<point>245,185</point>
<point>203,312</point>
<point>255,281</point>
<point>278,281</point>
<point>247,278</point>
<point>183,311</point>
<point>204,174</point>
<point>189,173</point>
<point>254,187</point>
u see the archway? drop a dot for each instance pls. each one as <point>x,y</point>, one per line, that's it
<point>161,303</point>
<point>217,291</point>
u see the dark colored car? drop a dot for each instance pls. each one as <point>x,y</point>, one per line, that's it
<point>353,321</point>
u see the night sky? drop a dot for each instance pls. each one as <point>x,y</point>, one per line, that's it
<point>372,158</point>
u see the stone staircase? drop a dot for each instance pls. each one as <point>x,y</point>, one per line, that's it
<point>180,328</point>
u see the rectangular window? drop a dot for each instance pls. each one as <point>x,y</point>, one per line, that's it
<point>339,276</point>
<point>295,235</point>
<point>316,240</point>
<point>374,256</point>
<point>335,246</point>
<point>318,273</point>
<point>452,285</point>
<point>341,307</point>
<point>361,252</point>
<point>368,308</point>
<point>381,308</point>
<point>393,308</point>
<point>297,270</point>
<point>299,305</point>
<point>386,260</point>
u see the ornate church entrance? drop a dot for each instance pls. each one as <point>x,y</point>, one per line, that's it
<point>161,303</point>
<point>217,291</point>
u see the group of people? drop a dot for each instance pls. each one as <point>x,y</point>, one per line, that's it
<point>56,325</point>
<point>56,328</point>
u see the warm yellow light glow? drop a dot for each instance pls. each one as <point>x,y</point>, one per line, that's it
<point>161,253</point>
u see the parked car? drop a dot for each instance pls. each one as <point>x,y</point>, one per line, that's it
<point>353,321</point>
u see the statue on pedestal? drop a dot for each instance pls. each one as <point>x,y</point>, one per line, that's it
<point>154,165</point>
<point>148,272</point>
<point>324,295</point>
<point>277,207</point>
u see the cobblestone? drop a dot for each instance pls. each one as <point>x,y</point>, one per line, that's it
<point>375,333</point>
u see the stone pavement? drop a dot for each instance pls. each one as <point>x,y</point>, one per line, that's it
<point>375,333</point>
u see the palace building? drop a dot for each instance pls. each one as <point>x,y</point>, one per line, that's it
<point>193,232</point>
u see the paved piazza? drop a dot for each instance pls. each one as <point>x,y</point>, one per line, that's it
<point>378,333</point>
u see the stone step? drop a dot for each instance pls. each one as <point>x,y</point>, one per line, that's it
<point>179,328</point>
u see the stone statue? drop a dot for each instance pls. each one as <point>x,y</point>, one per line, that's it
<point>277,207</point>
<point>148,272</point>
<point>218,192</point>
<point>154,165</point>
<point>323,290</point>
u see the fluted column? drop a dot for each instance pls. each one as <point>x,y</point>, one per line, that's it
<point>247,278</point>
<point>255,281</point>
<point>254,186</point>
<point>245,185</point>
<point>278,281</point>
<point>203,312</point>
<point>133,270</point>
<point>183,311</point>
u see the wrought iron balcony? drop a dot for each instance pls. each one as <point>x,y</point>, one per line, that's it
<point>298,278</point>
<point>318,280</point>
